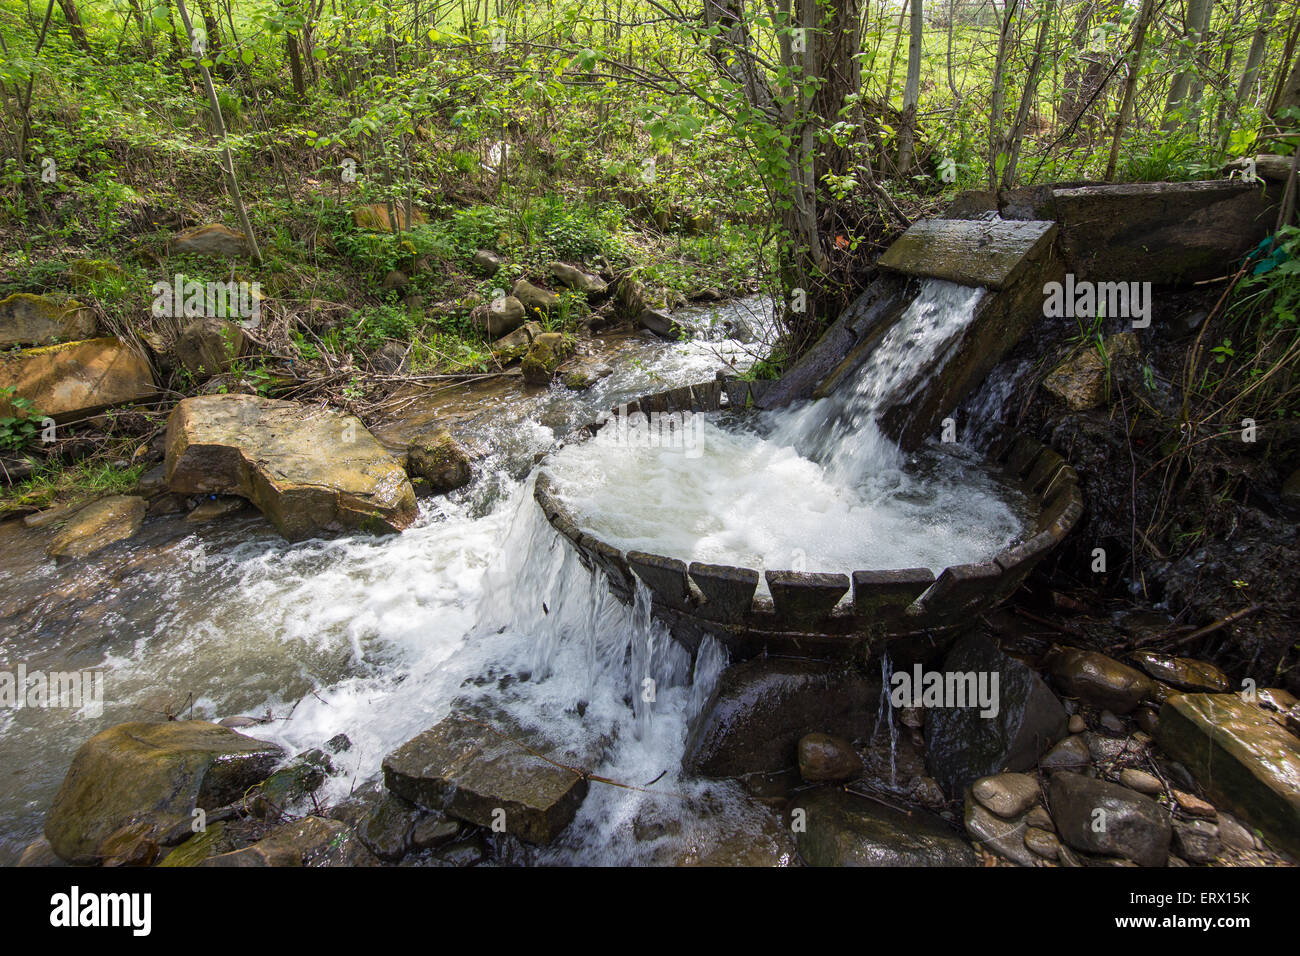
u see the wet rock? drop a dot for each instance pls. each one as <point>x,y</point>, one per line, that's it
<point>1141,781</point>
<point>211,841</point>
<point>1098,680</point>
<point>388,832</point>
<point>1006,794</point>
<point>36,320</point>
<point>1110,722</point>
<point>1006,838</point>
<point>213,239</point>
<point>40,853</point>
<point>1096,816</point>
<point>1242,759</point>
<point>515,345</point>
<point>1183,672</point>
<point>1081,381</point>
<point>825,758</point>
<point>485,777</point>
<point>439,462</point>
<point>1040,819</point>
<point>964,746</point>
<point>1193,805</point>
<point>760,709</point>
<point>1077,724</point>
<point>434,830</point>
<point>586,375</point>
<point>208,346</point>
<point>745,835</point>
<point>843,829</point>
<point>308,469</point>
<point>376,217</point>
<point>1042,843</point>
<point>132,845</point>
<point>214,507</point>
<point>578,280</point>
<point>153,773</point>
<point>466,852</point>
<point>298,843</point>
<point>1070,754</point>
<point>275,795</point>
<point>1196,841</point>
<point>544,356</point>
<point>96,526</point>
<point>1147,719</point>
<point>1233,834</point>
<point>489,262</point>
<point>339,743</point>
<point>660,323</point>
<point>533,298</point>
<point>75,379</point>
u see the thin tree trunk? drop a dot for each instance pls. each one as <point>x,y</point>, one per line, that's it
<point>231,180</point>
<point>1195,25</point>
<point>911,92</point>
<point>996,141</point>
<point>75,27</point>
<point>1027,97</point>
<point>1130,83</point>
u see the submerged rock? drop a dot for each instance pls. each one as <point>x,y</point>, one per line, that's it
<point>760,709</point>
<point>151,774</point>
<point>965,745</point>
<point>98,525</point>
<point>1243,759</point>
<point>844,829</point>
<point>308,469</point>
<point>1098,680</point>
<point>483,776</point>
<point>1096,816</point>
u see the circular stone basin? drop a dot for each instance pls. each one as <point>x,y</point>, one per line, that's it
<point>734,496</point>
<point>720,520</point>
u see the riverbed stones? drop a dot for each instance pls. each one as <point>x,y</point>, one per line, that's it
<point>844,829</point>
<point>1006,794</point>
<point>297,843</point>
<point>96,526</point>
<point>1196,841</point>
<point>1244,760</point>
<point>755,717</point>
<point>1183,673</point>
<point>437,463</point>
<point>310,470</point>
<point>1098,680</point>
<point>1043,843</point>
<point>1096,816</point>
<point>966,742</point>
<point>76,379</point>
<point>1005,837</point>
<point>544,356</point>
<point>825,758</point>
<point>1141,781</point>
<point>155,774</point>
<point>487,776</point>
<point>1072,753</point>
<point>35,320</point>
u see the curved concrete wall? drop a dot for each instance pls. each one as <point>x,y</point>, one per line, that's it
<point>818,613</point>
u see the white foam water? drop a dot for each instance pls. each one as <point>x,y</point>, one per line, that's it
<point>815,487</point>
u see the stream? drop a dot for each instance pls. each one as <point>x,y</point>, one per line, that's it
<point>481,602</point>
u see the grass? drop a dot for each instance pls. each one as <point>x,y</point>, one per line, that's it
<point>62,484</point>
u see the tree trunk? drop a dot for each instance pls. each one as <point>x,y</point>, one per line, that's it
<point>1130,83</point>
<point>997,142</point>
<point>1027,97</point>
<point>911,92</point>
<point>75,27</point>
<point>1195,26</point>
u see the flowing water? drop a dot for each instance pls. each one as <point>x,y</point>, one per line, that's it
<point>379,638</point>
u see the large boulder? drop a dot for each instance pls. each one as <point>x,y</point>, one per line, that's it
<point>493,778</point>
<point>310,470</point>
<point>502,316</point>
<point>98,525</point>
<point>147,780</point>
<point>755,717</point>
<point>837,828</point>
<point>1244,759</point>
<point>1097,816</point>
<point>27,319</point>
<point>965,745</point>
<point>76,379</point>
<point>207,346</point>
<point>213,239</point>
